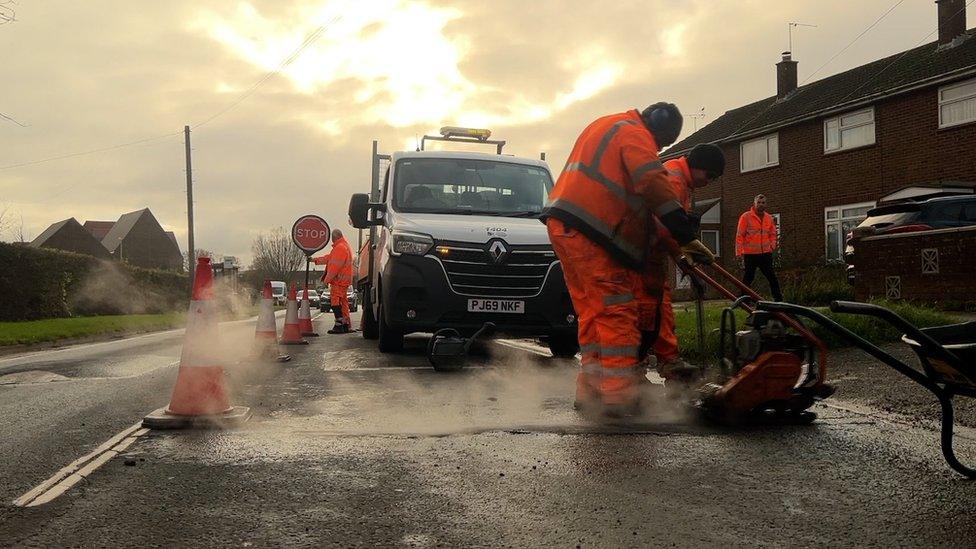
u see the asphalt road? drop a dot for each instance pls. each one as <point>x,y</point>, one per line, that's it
<point>351,447</point>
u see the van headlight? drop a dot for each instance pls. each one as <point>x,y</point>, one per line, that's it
<point>411,243</point>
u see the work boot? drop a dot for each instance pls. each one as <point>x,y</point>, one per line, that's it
<point>339,329</point>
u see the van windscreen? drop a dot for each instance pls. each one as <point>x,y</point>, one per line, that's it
<point>467,186</point>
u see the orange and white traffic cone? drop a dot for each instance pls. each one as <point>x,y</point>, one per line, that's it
<point>266,332</point>
<point>200,396</point>
<point>292,334</point>
<point>305,317</point>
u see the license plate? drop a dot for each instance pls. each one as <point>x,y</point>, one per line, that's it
<point>496,306</point>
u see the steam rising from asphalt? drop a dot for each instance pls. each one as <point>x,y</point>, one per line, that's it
<point>504,389</point>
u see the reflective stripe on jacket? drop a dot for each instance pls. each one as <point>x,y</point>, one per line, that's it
<point>755,235</point>
<point>338,270</point>
<point>612,183</point>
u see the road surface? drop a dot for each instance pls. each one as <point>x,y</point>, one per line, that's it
<point>351,447</point>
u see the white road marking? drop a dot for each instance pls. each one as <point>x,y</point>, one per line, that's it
<point>73,473</point>
<point>49,352</point>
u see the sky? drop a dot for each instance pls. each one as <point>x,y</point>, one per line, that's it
<point>281,129</point>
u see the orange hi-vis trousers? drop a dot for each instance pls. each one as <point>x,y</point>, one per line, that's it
<point>339,298</point>
<point>604,295</point>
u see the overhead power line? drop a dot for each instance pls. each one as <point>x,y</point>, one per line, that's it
<point>309,40</point>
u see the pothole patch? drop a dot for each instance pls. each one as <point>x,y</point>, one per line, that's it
<point>31,377</point>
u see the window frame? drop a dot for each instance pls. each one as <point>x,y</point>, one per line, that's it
<point>941,102</point>
<point>718,240</point>
<point>840,130</point>
<point>768,164</point>
<point>839,221</point>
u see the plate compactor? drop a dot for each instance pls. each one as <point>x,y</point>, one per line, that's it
<point>773,369</point>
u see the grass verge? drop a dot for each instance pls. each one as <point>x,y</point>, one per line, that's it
<point>875,331</point>
<point>54,329</point>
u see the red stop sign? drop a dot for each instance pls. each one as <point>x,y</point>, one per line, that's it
<point>311,233</point>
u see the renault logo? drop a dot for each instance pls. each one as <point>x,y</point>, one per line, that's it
<point>498,251</point>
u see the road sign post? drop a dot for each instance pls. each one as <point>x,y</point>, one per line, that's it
<point>310,233</point>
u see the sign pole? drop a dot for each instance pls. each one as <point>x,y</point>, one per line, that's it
<point>307,259</point>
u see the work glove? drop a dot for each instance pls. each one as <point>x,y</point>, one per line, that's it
<point>695,252</point>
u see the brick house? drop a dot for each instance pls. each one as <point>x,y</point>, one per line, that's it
<point>826,152</point>
<point>138,238</point>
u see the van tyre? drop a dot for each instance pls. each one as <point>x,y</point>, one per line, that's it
<point>391,340</point>
<point>564,344</point>
<point>370,326</point>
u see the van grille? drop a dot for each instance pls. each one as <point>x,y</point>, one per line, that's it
<point>473,270</point>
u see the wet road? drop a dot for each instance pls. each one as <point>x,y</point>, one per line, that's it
<point>351,447</point>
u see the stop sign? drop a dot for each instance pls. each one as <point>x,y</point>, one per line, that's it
<point>311,233</point>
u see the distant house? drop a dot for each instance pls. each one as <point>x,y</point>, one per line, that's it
<point>827,152</point>
<point>70,236</point>
<point>138,239</point>
<point>99,229</point>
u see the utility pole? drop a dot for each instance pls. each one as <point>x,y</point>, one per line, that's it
<point>189,204</point>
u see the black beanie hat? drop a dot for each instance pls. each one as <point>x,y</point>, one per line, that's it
<point>707,157</point>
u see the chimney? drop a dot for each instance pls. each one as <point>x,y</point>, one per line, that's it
<point>785,76</point>
<point>952,19</point>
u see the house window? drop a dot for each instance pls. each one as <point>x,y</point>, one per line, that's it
<point>759,153</point>
<point>710,238</point>
<point>849,131</point>
<point>838,222</point>
<point>957,104</point>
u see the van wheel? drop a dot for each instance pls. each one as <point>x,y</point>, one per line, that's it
<point>563,344</point>
<point>391,341</point>
<point>370,327</point>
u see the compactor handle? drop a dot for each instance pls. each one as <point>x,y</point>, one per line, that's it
<point>856,308</point>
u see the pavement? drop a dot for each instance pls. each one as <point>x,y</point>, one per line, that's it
<point>351,447</point>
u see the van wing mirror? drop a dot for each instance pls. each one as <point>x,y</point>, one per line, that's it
<point>359,208</point>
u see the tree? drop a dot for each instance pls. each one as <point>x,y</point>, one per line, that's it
<point>200,252</point>
<point>275,255</point>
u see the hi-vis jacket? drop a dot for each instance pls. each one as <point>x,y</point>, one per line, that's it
<point>612,183</point>
<point>755,235</point>
<point>338,264</point>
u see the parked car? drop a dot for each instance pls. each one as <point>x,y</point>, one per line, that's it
<point>944,212</point>
<point>325,303</point>
<point>313,298</point>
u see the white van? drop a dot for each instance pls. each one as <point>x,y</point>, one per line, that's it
<point>459,243</point>
<point>279,292</point>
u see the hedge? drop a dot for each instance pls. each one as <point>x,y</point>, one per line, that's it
<point>38,283</point>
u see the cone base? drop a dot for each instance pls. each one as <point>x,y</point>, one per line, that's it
<point>299,342</point>
<point>163,419</point>
<point>310,334</point>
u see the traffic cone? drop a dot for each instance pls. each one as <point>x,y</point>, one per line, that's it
<point>292,334</point>
<point>200,396</point>
<point>305,317</point>
<point>266,332</point>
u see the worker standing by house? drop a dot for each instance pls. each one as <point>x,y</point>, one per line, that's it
<point>701,166</point>
<point>338,275</point>
<point>601,224</point>
<point>755,241</point>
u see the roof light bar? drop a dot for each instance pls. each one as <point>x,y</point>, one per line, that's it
<point>475,133</point>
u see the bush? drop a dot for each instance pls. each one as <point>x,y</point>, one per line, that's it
<point>41,283</point>
<point>815,286</point>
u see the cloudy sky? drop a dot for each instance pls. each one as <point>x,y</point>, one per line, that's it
<point>268,147</point>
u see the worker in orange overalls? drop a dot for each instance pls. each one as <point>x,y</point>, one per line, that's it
<point>338,275</point>
<point>755,242</point>
<point>700,167</point>
<point>601,226</point>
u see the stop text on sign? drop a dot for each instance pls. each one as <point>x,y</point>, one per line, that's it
<point>311,233</point>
